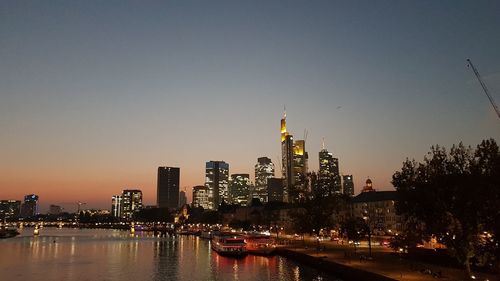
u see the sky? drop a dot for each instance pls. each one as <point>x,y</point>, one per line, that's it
<point>95,95</point>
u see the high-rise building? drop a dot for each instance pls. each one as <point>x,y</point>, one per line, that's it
<point>200,197</point>
<point>10,209</point>
<point>217,183</point>
<point>329,176</point>
<point>294,165</point>
<point>131,202</point>
<point>264,169</point>
<point>348,185</point>
<point>239,186</point>
<point>182,198</point>
<point>167,190</point>
<point>275,189</point>
<point>286,159</point>
<point>29,208</point>
<point>300,157</point>
<point>116,206</point>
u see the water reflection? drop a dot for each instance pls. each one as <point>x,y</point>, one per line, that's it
<point>78,255</point>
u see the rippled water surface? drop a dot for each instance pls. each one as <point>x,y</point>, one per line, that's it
<point>74,254</point>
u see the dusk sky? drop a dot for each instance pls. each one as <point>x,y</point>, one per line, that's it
<point>95,95</point>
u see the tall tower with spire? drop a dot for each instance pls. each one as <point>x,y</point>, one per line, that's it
<point>294,165</point>
<point>286,159</point>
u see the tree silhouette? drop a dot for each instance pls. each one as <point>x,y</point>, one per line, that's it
<point>455,197</point>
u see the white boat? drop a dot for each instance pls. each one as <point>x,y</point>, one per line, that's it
<point>229,244</point>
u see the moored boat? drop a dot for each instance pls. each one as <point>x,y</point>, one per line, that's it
<point>260,244</point>
<point>8,233</point>
<point>229,244</point>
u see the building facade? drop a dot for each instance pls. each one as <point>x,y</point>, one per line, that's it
<point>378,210</point>
<point>239,186</point>
<point>217,183</point>
<point>116,206</point>
<point>131,202</point>
<point>286,159</point>
<point>264,169</point>
<point>167,189</point>
<point>328,175</point>
<point>182,198</point>
<point>200,197</point>
<point>299,184</point>
<point>275,189</point>
<point>10,209</point>
<point>29,208</point>
<point>348,185</point>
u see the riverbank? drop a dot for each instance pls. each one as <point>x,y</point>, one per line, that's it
<point>384,266</point>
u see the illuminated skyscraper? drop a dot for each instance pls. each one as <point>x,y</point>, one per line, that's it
<point>300,157</point>
<point>329,176</point>
<point>286,159</point>
<point>348,185</point>
<point>29,208</point>
<point>167,190</point>
<point>294,165</point>
<point>264,169</point>
<point>200,197</point>
<point>217,183</point>
<point>131,202</point>
<point>239,187</point>
<point>116,206</point>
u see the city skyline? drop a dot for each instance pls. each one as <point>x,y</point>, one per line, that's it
<point>94,97</point>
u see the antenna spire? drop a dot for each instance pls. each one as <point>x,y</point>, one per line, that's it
<point>323,143</point>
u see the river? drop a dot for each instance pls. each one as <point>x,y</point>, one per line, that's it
<point>106,255</point>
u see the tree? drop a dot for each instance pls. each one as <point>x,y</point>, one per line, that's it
<point>317,211</point>
<point>454,197</point>
<point>355,229</point>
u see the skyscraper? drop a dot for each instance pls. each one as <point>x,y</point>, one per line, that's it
<point>275,189</point>
<point>116,206</point>
<point>217,183</point>
<point>239,186</point>
<point>200,197</point>
<point>286,159</point>
<point>300,157</point>
<point>329,176</point>
<point>264,169</point>
<point>182,198</point>
<point>10,209</point>
<point>294,165</point>
<point>131,202</point>
<point>167,189</point>
<point>29,208</point>
<point>348,185</point>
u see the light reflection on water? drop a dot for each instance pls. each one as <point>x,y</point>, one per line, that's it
<point>80,255</point>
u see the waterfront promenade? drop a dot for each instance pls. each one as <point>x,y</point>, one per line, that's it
<point>384,265</point>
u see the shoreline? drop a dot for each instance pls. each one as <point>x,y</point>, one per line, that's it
<point>384,266</point>
<point>342,271</point>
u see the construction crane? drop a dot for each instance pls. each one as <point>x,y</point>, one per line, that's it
<point>484,87</point>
